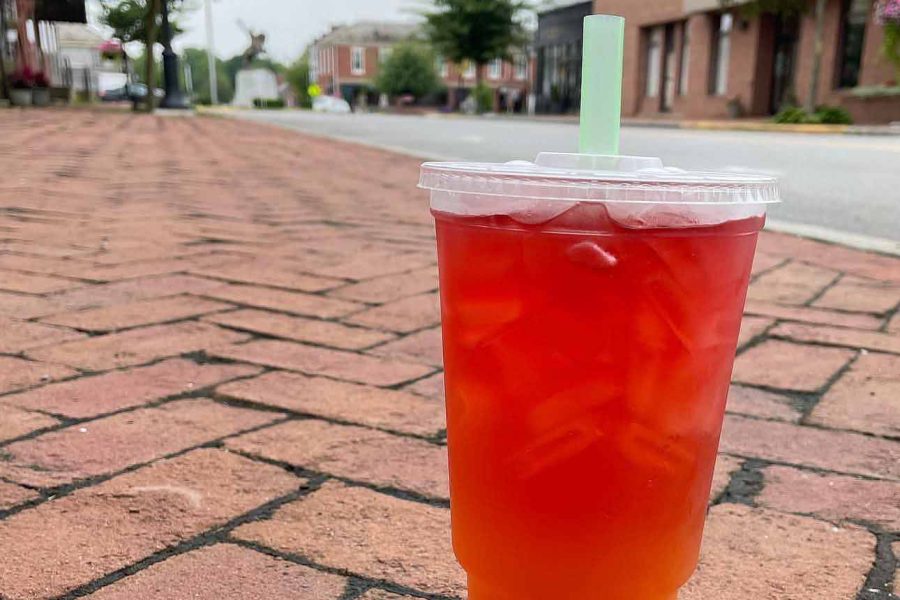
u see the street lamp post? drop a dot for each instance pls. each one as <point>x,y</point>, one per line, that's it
<point>211,55</point>
<point>174,97</point>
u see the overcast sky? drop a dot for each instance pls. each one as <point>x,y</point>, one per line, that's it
<point>290,25</point>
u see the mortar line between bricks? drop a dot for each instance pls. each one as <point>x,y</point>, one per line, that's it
<point>826,344</point>
<point>195,356</point>
<point>67,421</point>
<point>266,335</point>
<point>302,471</point>
<point>757,339</point>
<point>834,281</point>
<point>816,426</point>
<point>812,468</point>
<point>888,317</point>
<point>393,386</point>
<point>52,493</point>
<point>880,578</point>
<point>299,415</point>
<point>299,559</point>
<point>98,333</point>
<point>775,267</point>
<point>214,535</point>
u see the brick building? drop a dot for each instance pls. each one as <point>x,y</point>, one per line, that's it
<point>345,61</point>
<point>692,59</point>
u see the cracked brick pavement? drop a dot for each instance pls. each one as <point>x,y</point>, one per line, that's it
<point>220,377</point>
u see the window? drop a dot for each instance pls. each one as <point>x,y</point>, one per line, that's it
<point>654,56</point>
<point>520,67</point>
<point>721,54</point>
<point>469,73</point>
<point>684,71</point>
<point>357,60</point>
<point>440,65</point>
<point>853,33</point>
<point>495,69</point>
<point>384,53</point>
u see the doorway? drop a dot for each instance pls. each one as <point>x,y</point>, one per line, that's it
<point>787,33</point>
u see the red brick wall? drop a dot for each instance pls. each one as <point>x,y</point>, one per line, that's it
<point>751,62</point>
<point>876,69</point>
<point>638,14</point>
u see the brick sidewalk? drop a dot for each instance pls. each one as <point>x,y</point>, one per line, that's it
<point>220,378</point>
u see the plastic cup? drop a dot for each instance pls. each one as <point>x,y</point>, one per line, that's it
<point>590,309</point>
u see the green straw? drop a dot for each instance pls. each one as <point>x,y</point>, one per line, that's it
<point>601,84</point>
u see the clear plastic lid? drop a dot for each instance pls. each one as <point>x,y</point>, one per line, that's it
<point>596,178</point>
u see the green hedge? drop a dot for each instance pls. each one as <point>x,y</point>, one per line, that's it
<point>267,103</point>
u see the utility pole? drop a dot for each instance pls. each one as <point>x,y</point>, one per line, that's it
<point>174,97</point>
<point>211,55</point>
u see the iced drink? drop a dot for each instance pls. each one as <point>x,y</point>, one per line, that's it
<point>591,308</point>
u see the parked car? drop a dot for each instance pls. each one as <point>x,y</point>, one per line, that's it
<point>330,104</point>
<point>129,93</point>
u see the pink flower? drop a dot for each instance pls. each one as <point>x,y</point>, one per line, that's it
<point>888,11</point>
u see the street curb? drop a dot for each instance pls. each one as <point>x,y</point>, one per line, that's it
<point>833,236</point>
<point>703,125</point>
<point>814,232</point>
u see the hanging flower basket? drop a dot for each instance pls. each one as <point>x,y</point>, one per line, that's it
<point>111,50</point>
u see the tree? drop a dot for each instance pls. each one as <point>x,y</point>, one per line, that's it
<point>139,21</point>
<point>198,60</point>
<point>297,76</point>
<point>476,31</point>
<point>408,70</point>
<point>787,8</point>
<point>129,18</point>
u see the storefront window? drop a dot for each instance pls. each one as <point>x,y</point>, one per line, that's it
<point>654,55</point>
<point>721,45</point>
<point>853,33</point>
<point>684,71</point>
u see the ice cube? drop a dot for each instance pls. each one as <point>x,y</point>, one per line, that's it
<point>647,215</point>
<point>592,255</point>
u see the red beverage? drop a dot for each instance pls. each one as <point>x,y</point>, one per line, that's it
<point>587,363</point>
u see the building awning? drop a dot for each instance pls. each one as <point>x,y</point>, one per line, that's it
<point>693,6</point>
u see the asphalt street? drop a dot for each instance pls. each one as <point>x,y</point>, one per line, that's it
<point>845,187</point>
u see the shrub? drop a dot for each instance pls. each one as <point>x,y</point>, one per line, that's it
<point>268,103</point>
<point>791,115</point>
<point>826,115</point>
<point>484,98</point>
<point>833,115</point>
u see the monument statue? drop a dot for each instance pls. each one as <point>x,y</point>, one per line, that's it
<point>257,47</point>
<point>254,83</point>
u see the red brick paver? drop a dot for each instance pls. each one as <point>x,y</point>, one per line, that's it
<point>367,533</point>
<point>220,376</point>
<point>226,572</point>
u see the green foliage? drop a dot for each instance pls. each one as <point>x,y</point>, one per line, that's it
<point>475,30</point>
<point>484,98</point>
<point>140,70</point>
<point>197,59</point>
<point>891,46</point>
<point>408,70</point>
<point>297,76</point>
<point>128,18</point>
<point>824,115</point>
<point>876,91</point>
<point>268,103</point>
<point>833,115</point>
